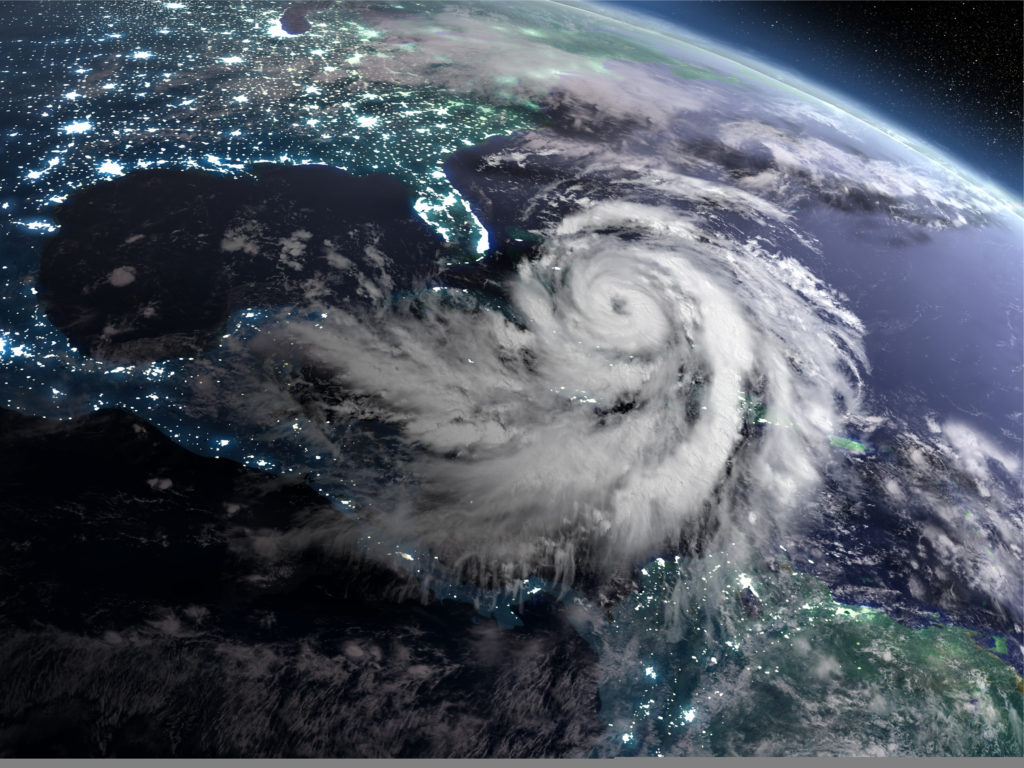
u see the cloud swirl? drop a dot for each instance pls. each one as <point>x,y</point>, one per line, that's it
<point>644,381</point>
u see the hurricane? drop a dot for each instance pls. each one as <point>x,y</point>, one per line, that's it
<point>643,382</point>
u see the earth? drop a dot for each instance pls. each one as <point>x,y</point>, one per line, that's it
<point>492,380</point>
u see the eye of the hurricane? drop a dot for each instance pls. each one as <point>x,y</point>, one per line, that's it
<point>619,305</point>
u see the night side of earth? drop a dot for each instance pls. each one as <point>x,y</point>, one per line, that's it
<point>454,379</point>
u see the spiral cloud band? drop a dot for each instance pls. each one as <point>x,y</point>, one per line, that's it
<point>625,400</point>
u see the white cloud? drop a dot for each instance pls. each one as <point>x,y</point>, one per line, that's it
<point>121,277</point>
